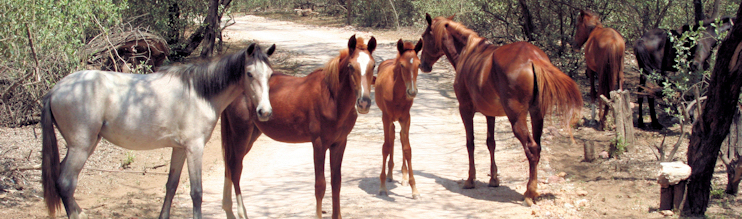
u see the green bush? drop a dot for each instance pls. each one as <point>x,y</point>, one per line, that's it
<point>58,28</point>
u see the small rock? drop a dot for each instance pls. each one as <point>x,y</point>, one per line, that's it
<point>667,213</point>
<point>581,203</point>
<point>562,174</point>
<point>604,155</point>
<point>129,202</point>
<point>556,179</point>
<point>568,206</point>
<point>581,193</point>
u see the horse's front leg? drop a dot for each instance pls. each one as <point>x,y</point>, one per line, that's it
<point>386,150</point>
<point>494,181</point>
<point>336,161</point>
<point>319,174</point>
<point>177,159</point>
<point>404,135</point>
<point>194,154</point>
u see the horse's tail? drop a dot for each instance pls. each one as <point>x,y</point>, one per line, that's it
<point>557,91</point>
<point>644,59</point>
<point>228,137</point>
<point>611,75</point>
<point>49,158</point>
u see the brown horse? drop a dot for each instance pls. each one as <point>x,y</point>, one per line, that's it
<point>319,108</point>
<point>604,48</point>
<point>396,88</point>
<point>514,80</point>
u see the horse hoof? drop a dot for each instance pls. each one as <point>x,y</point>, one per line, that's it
<point>640,125</point>
<point>494,183</point>
<point>383,193</point>
<point>389,179</point>
<point>404,183</point>
<point>468,185</point>
<point>528,202</point>
<point>416,196</point>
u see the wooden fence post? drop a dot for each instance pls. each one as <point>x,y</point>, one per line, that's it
<point>620,104</point>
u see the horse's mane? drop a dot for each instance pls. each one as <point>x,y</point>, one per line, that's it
<point>440,29</point>
<point>210,78</point>
<point>333,67</point>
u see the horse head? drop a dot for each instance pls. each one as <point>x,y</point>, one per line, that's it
<point>257,72</point>
<point>437,41</point>
<point>407,65</point>
<point>361,70</point>
<point>586,22</point>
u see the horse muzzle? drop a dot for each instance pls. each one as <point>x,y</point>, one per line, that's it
<point>425,67</point>
<point>411,93</point>
<point>363,105</point>
<point>264,114</point>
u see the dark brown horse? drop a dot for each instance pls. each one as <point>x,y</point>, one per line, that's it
<point>396,88</point>
<point>514,80</point>
<point>655,53</point>
<point>320,108</point>
<point>604,48</point>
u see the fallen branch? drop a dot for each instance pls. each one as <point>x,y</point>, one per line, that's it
<point>23,168</point>
<point>127,171</point>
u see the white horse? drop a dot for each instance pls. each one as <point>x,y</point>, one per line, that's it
<point>177,107</point>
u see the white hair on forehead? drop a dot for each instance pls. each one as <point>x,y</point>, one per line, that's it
<point>363,59</point>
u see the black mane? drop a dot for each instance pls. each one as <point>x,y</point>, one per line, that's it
<point>212,77</point>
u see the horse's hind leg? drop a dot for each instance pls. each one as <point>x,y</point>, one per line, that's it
<point>467,117</point>
<point>78,152</point>
<point>494,181</point>
<point>407,153</point>
<point>386,150</point>
<point>177,159</point>
<point>640,100</point>
<point>531,149</point>
<point>593,94</point>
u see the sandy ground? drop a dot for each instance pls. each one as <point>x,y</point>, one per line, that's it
<point>278,178</point>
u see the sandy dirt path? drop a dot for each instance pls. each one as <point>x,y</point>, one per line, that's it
<point>278,178</point>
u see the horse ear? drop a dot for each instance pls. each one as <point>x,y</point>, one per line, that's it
<point>400,46</point>
<point>451,17</point>
<point>271,50</point>
<point>250,49</point>
<point>371,45</point>
<point>429,19</point>
<point>419,46</point>
<point>352,43</point>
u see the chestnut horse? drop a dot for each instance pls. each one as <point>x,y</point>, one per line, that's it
<point>514,80</point>
<point>604,48</point>
<point>396,88</point>
<point>175,107</point>
<point>656,53</point>
<point>320,108</point>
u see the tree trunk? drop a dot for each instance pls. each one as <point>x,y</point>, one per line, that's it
<point>713,126</point>
<point>212,26</point>
<point>528,27</point>
<point>715,10</point>
<point>698,10</point>
<point>348,7</point>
